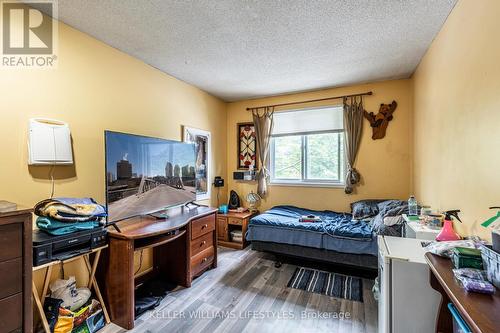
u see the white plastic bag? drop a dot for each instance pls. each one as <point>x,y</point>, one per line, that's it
<point>73,298</point>
<point>444,249</point>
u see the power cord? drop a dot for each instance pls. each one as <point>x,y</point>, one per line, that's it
<point>62,270</point>
<point>51,175</point>
<point>325,221</point>
<point>53,165</point>
<point>218,195</point>
<point>140,263</point>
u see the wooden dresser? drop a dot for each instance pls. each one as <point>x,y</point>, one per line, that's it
<point>203,245</point>
<point>15,271</point>
<point>184,246</point>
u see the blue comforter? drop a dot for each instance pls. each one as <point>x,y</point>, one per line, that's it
<point>332,223</point>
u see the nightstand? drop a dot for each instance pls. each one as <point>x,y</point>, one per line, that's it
<point>226,223</point>
<point>414,229</point>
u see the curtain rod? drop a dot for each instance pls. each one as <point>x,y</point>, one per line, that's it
<point>310,101</point>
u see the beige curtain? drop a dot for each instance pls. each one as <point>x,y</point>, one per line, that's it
<point>263,122</point>
<point>353,125</point>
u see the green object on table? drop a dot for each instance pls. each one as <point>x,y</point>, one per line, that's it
<point>468,252</point>
<point>491,220</point>
<point>466,258</point>
<point>413,217</point>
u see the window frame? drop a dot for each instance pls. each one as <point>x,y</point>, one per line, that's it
<point>304,181</point>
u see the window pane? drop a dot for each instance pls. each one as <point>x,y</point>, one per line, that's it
<point>287,157</point>
<point>342,158</point>
<point>325,156</point>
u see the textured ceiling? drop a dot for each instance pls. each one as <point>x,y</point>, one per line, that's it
<point>245,49</point>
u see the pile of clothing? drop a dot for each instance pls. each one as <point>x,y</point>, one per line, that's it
<point>384,216</point>
<point>60,216</point>
<point>70,309</point>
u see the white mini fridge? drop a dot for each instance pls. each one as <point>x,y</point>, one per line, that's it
<point>407,302</point>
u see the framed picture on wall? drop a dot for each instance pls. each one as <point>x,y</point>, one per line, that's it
<point>201,139</point>
<point>247,146</point>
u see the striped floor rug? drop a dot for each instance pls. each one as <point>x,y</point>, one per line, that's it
<point>331,284</point>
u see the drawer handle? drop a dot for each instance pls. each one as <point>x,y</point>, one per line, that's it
<point>204,226</point>
<point>204,260</point>
<point>203,243</point>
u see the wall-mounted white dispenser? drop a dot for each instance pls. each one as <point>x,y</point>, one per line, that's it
<point>49,142</point>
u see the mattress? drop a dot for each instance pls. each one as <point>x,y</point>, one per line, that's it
<point>336,231</point>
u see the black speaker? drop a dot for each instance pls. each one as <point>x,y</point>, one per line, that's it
<point>234,200</point>
<point>218,181</point>
<point>238,175</point>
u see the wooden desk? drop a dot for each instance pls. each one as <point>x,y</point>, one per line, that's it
<point>184,246</point>
<point>480,312</point>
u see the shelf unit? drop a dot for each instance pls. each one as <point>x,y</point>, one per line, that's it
<point>415,229</point>
<point>92,284</point>
<point>233,221</point>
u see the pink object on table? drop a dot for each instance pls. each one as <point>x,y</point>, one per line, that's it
<point>448,233</point>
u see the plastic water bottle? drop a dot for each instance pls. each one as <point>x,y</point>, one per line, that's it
<point>412,206</point>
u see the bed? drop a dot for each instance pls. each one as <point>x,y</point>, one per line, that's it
<point>338,238</point>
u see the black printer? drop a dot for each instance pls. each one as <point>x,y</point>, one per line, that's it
<point>47,248</point>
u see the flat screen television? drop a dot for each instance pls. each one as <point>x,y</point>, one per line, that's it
<point>146,175</point>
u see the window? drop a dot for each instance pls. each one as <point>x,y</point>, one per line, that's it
<point>307,147</point>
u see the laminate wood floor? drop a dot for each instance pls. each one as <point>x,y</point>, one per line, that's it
<point>246,293</point>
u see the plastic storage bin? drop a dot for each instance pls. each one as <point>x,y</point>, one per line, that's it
<point>495,240</point>
<point>459,325</point>
<point>491,263</point>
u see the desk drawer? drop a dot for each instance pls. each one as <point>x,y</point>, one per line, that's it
<point>11,281</point>
<point>202,226</point>
<point>11,240</point>
<point>202,260</point>
<point>11,313</point>
<point>235,221</point>
<point>202,243</point>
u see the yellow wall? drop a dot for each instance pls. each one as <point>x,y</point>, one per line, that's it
<point>457,115</point>
<point>384,164</point>
<point>452,101</point>
<point>95,87</point>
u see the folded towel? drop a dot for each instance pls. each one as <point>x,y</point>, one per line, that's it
<point>55,227</point>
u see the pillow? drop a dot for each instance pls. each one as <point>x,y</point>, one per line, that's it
<point>365,208</point>
<point>392,220</point>
<point>380,228</point>
<point>392,208</point>
<point>386,205</point>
